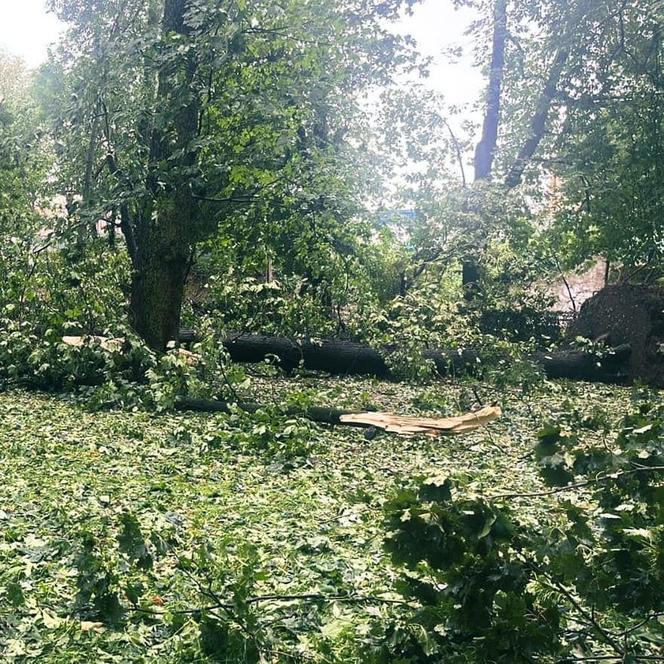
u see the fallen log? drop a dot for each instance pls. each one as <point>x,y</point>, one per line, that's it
<point>576,365</point>
<point>400,424</point>
<point>336,357</point>
<point>350,358</point>
<point>319,414</point>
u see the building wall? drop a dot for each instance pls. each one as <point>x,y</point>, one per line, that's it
<point>582,286</point>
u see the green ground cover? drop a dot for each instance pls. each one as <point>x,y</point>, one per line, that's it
<point>116,526</point>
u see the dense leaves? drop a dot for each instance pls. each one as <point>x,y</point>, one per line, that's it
<point>496,587</point>
<point>261,165</point>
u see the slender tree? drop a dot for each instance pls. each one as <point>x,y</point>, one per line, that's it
<point>486,148</point>
<point>564,37</point>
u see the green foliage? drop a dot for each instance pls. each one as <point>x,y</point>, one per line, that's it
<point>613,552</point>
<point>494,587</point>
<point>469,573</point>
<point>52,288</point>
<point>151,511</point>
<point>140,535</point>
<point>610,152</point>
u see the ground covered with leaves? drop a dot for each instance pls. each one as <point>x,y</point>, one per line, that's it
<point>132,536</point>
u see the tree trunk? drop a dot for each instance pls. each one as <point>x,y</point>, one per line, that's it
<point>157,291</point>
<point>164,230</point>
<point>539,120</point>
<point>349,358</point>
<point>486,148</point>
<point>543,107</point>
<point>470,278</point>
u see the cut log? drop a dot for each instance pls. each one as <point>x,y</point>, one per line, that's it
<point>399,424</point>
<point>108,344</point>
<point>118,345</point>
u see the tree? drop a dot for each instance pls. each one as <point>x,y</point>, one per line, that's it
<point>555,30</point>
<point>160,238</point>
<point>486,148</point>
<point>609,153</point>
<point>199,112</point>
<point>23,168</point>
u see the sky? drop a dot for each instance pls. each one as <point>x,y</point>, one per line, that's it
<point>437,26</point>
<point>26,29</point>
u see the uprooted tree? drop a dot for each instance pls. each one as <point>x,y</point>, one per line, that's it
<point>627,314</point>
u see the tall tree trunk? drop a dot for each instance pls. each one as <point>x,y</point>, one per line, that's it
<point>164,233</point>
<point>486,148</point>
<point>157,288</point>
<point>543,107</point>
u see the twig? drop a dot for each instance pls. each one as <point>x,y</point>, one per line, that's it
<point>578,485</point>
<point>459,155</point>
<point>606,637</point>
<point>643,622</point>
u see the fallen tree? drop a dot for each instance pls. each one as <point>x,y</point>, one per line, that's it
<point>400,424</point>
<point>350,358</point>
<point>332,356</point>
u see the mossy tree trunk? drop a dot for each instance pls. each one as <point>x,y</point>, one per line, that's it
<point>157,289</point>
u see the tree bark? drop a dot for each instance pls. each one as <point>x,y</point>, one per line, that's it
<point>321,414</point>
<point>539,120</point>
<point>157,289</point>
<point>486,148</point>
